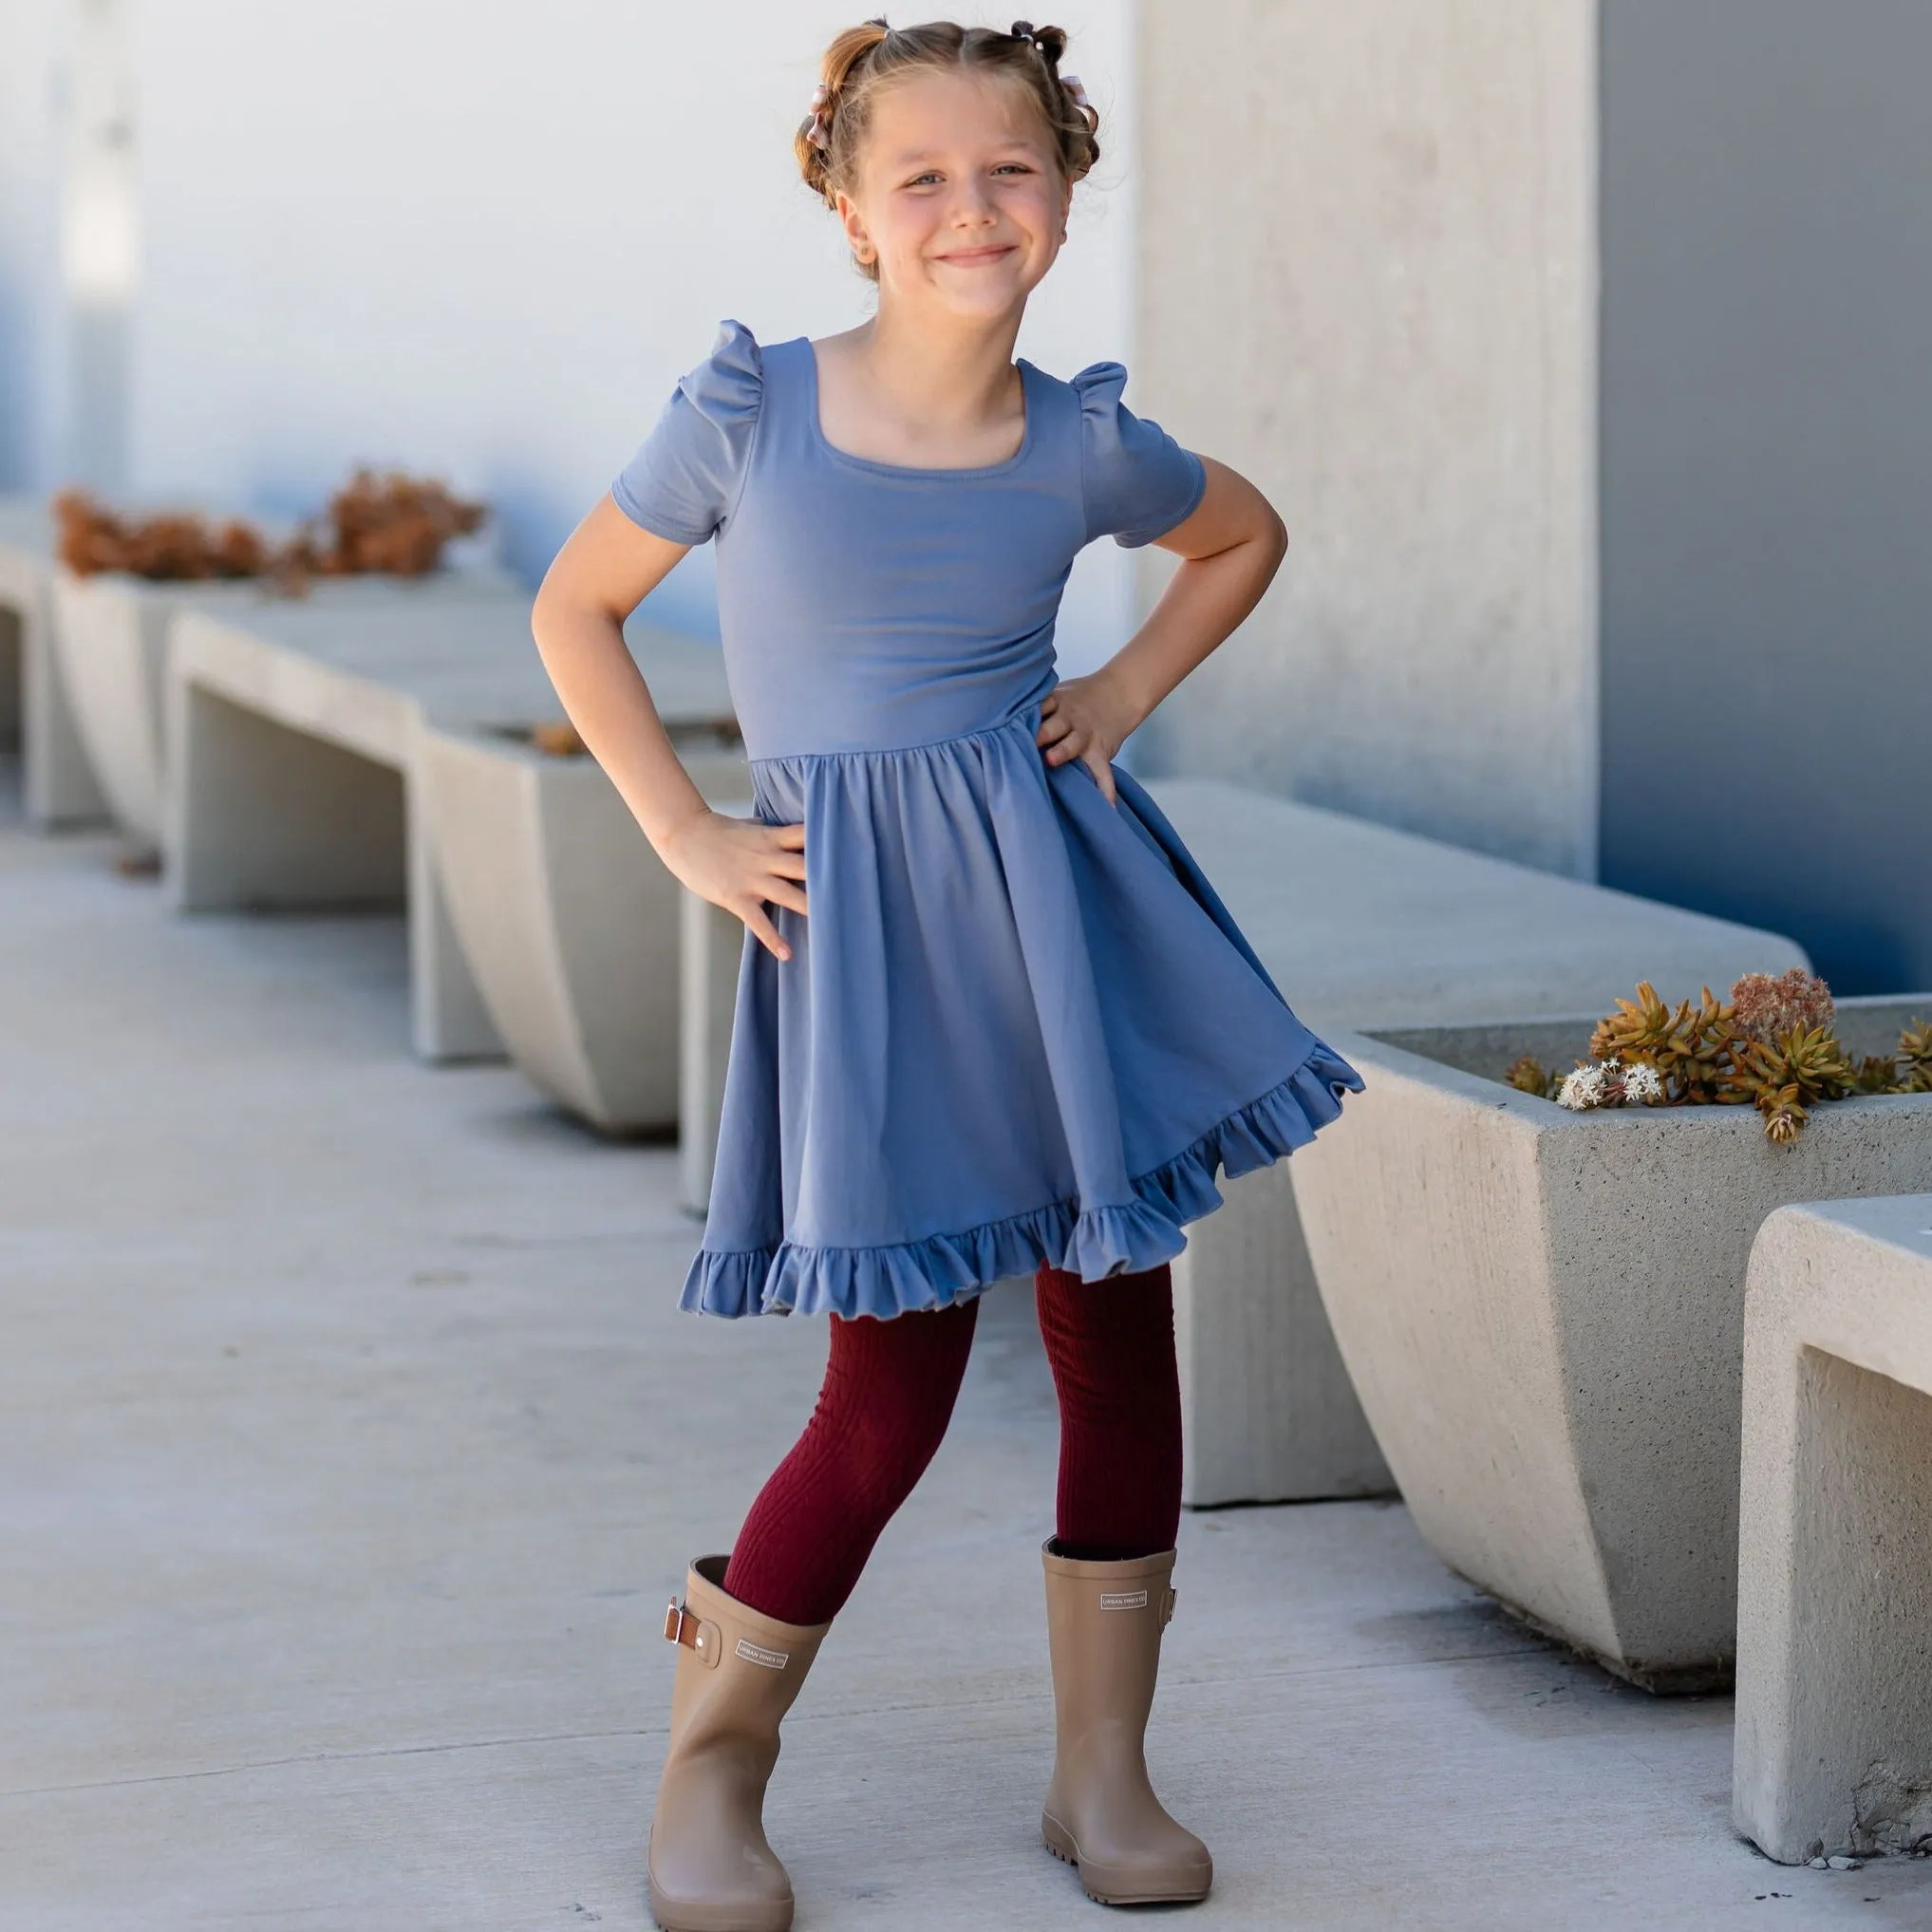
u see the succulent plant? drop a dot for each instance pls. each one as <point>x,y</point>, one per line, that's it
<point>1766,1008</point>
<point>1528,1076</point>
<point>1915,1058</point>
<point>1773,1048</point>
<point>1689,1046</point>
<point>1806,1065</point>
<point>1877,1074</point>
<point>1639,1027</point>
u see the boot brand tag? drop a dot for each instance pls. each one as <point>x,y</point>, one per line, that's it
<point>774,1659</point>
<point>1123,1600</point>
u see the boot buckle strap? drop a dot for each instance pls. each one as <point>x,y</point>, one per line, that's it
<point>702,1639</point>
<point>1168,1599</point>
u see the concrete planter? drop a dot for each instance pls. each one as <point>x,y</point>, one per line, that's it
<point>1364,927</point>
<point>111,634</point>
<point>569,921</point>
<point>56,780</point>
<point>1543,1315</point>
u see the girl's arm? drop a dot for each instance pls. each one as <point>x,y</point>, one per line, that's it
<point>599,577</point>
<point>1230,551</point>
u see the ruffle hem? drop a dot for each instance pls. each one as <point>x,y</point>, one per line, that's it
<point>944,1268</point>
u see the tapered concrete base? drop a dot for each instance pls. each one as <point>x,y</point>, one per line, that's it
<point>569,920</point>
<point>1834,1605</point>
<point>59,788</point>
<point>294,740</point>
<point>112,634</point>
<point>266,816</point>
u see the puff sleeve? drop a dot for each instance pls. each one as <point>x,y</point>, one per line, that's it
<point>1137,482</point>
<point>685,482</point>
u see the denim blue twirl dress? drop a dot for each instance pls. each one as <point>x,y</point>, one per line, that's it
<point>1018,1025</point>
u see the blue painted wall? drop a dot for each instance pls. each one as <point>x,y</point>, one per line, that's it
<point>1767,470</point>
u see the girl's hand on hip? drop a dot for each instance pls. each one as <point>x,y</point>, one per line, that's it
<point>1085,719</point>
<point>740,864</point>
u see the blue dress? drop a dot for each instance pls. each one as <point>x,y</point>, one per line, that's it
<point>1018,1025</point>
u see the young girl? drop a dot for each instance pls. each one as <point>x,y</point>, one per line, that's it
<point>1010,1029</point>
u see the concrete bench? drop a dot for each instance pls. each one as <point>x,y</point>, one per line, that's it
<point>1833,1750</point>
<point>292,738</point>
<point>57,783</point>
<point>111,636</point>
<point>567,918</point>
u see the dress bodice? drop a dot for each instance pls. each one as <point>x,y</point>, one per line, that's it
<point>872,606</point>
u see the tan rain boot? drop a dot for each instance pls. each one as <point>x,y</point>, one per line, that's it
<point>1103,1625</point>
<point>710,1869</point>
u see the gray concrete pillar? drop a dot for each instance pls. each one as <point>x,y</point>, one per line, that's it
<point>1367,279</point>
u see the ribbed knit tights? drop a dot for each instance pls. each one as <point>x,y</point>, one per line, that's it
<point>887,1396</point>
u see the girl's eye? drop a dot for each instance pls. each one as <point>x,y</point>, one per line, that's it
<point>922,181</point>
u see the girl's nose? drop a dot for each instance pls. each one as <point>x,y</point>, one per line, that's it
<point>973,207</point>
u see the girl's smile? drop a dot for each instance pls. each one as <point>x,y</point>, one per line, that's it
<point>961,202</point>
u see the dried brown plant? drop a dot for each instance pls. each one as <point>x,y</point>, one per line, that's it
<point>173,548</point>
<point>390,523</point>
<point>560,739</point>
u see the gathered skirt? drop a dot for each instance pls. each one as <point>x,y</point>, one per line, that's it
<point>1017,1026</point>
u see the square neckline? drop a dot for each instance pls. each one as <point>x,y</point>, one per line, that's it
<point>953,473</point>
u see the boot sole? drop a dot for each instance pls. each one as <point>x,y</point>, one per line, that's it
<point>1105,1888</point>
<point>674,1915</point>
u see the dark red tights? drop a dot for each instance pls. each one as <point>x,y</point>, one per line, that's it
<point>882,1412</point>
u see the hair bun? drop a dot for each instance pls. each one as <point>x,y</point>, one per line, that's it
<point>1048,42</point>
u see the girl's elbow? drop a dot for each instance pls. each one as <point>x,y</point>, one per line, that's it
<point>1270,544</point>
<point>547,606</point>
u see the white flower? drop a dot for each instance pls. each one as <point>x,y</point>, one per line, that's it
<point>1582,1089</point>
<point>1642,1086</point>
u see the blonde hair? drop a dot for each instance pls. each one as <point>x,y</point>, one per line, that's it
<point>864,59</point>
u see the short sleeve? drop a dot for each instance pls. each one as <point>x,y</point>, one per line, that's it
<point>1138,482</point>
<point>685,482</point>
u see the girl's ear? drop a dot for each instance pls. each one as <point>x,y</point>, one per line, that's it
<point>855,227</point>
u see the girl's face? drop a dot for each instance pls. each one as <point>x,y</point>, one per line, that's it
<point>960,198</point>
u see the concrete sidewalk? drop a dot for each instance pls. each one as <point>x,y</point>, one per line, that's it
<point>350,1444</point>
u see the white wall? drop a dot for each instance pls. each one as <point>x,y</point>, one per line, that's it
<point>485,242</point>
<point>1368,280</point>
